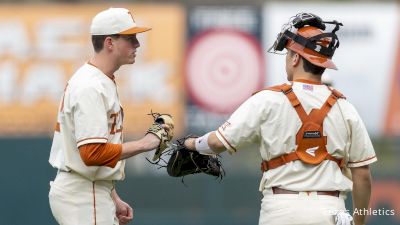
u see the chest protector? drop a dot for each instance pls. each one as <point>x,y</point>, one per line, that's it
<point>311,144</point>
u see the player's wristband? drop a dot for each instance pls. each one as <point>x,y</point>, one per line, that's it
<point>201,145</point>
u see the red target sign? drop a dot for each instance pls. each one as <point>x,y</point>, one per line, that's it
<point>223,69</point>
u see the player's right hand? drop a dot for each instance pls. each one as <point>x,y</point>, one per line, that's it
<point>163,128</point>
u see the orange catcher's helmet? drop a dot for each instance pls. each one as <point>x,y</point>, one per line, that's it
<point>304,35</point>
<point>309,54</point>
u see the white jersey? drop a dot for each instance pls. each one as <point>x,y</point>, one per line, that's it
<point>90,112</point>
<point>268,120</point>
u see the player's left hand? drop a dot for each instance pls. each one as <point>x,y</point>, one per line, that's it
<point>185,161</point>
<point>123,212</point>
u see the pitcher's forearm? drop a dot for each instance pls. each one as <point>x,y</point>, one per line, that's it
<point>114,195</point>
<point>132,148</point>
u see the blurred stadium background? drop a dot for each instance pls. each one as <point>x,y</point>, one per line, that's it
<point>200,61</point>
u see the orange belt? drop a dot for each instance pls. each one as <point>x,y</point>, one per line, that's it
<point>277,190</point>
<point>283,159</point>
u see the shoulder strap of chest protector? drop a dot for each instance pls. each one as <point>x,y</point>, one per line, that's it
<point>311,144</point>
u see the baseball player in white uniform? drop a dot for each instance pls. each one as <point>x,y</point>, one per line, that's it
<point>307,133</point>
<point>88,148</point>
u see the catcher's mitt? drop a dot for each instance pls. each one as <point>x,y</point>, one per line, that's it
<point>165,135</point>
<point>184,162</point>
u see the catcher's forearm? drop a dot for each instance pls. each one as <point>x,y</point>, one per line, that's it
<point>212,140</point>
<point>190,144</point>
<point>216,145</point>
<point>132,148</point>
<point>361,193</point>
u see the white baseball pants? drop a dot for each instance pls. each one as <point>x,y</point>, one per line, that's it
<point>76,200</point>
<point>299,209</point>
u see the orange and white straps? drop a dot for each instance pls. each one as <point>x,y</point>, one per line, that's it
<point>311,144</point>
<point>259,123</point>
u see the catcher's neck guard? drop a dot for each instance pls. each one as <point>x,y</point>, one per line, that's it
<point>303,34</point>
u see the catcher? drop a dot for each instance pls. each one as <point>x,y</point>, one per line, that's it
<point>308,135</point>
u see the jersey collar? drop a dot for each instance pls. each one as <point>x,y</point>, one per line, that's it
<point>112,78</point>
<point>307,81</point>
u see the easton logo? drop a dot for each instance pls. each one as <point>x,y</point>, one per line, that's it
<point>311,151</point>
<point>312,134</point>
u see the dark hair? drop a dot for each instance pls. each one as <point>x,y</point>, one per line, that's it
<point>309,67</point>
<point>98,41</point>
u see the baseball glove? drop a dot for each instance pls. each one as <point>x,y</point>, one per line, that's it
<point>165,135</point>
<point>184,162</point>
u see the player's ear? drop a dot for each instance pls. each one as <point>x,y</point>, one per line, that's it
<point>108,43</point>
<point>295,59</point>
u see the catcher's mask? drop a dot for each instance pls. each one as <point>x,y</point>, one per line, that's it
<point>304,35</point>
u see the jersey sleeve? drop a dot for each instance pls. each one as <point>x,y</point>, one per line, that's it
<point>243,127</point>
<point>101,154</point>
<point>90,117</point>
<point>361,151</point>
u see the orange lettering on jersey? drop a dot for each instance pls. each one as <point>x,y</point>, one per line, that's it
<point>114,124</point>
